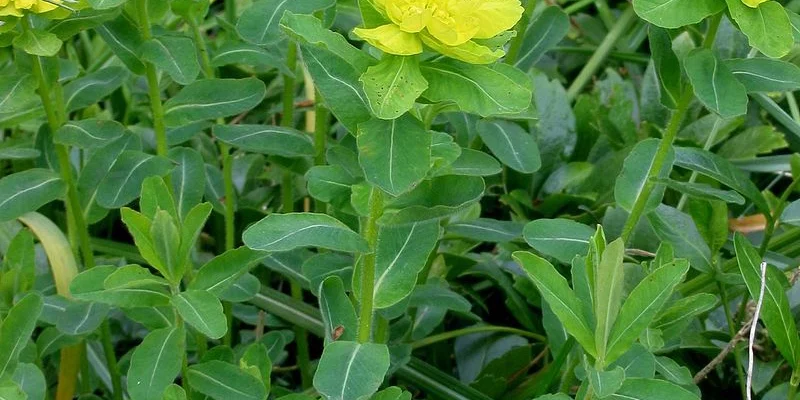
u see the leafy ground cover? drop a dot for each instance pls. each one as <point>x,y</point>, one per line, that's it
<point>397,199</point>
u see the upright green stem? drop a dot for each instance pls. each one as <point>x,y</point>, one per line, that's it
<point>597,59</point>
<point>368,266</point>
<point>522,27</point>
<point>230,11</point>
<point>605,13</point>
<point>658,162</point>
<point>156,106</point>
<point>74,211</point>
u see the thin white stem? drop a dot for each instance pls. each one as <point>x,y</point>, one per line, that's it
<point>753,328</point>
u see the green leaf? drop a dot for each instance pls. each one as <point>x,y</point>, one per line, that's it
<point>487,230</point>
<point>10,390</point>
<point>174,392</point>
<point>93,88</point>
<point>395,155</point>
<point>122,37</point>
<point>714,83</point>
<point>765,74</point>
<point>213,98</point>
<point>434,199</point>
<point>247,54</point>
<point>105,4</point>
<point>605,383</point>
<point>642,305</point>
<point>156,196</point>
<point>678,229</point>
<point>767,26</point>
<point>561,299</point>
<point>349,370</point>
<point>31,380</point>
<point>132,276</point>
<point>309,30</point>
<point>38,43</point>
<point>175,55</point>
<point>80,318</point>
<point>391,393</point>
<point>436,293</point>
<point>89,133</point>
<point>51,340</point>
<point>393,85</point>
<point>667,66</point>
<point>89,286</point>
<point>478,89</point>
<point>18,153</point>
<point>510,143</point>
<point>222,271</point>
<point>283,232</point>
<point>561,239</point>
<point>28,190</point>
<point>791,215</point>
<point>259,24</point>
<point>631,181</point>
<point>256,361</point>
<point>82,20</point>
<point>543,34</point>
<point>329,183</point>
<point>19,92</point>
<point>608,286</point>
<point>775,311</point>
<point>203,311</point>
<point>155,363</point>
<point>265,139</point>
<point>688,307</point>
<point>188,179</point>
<point>19,265</point>
<point>402,252</point>
<point>703,191</point>
<point>123,182</point>
<point>752,142</point>
<point>676,13</point>
<point>651,389</point>
<point>96,169</point>
<point>674,372</point>
<point>338,315</point>
<point>317,268</point>
<point>139,227</point>
<point>166,239</point>
<point>337,82</point>
<point>16,330</point>
<point>222,381</point>
<point>720,169</point>
<point>245,288</point>
<point>473,163</point>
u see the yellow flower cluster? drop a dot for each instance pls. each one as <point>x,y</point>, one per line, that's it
<point>447,26</point>
<point>15,8</point>
<point>753,3</point>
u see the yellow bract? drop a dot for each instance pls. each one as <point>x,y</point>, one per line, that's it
<point>753,3</point>
<point>447,26</point>
<point>17,7</point>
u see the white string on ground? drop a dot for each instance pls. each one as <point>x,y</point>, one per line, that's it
<point>753,328</point>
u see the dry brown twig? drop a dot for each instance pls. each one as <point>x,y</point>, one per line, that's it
<point>740,335</point>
